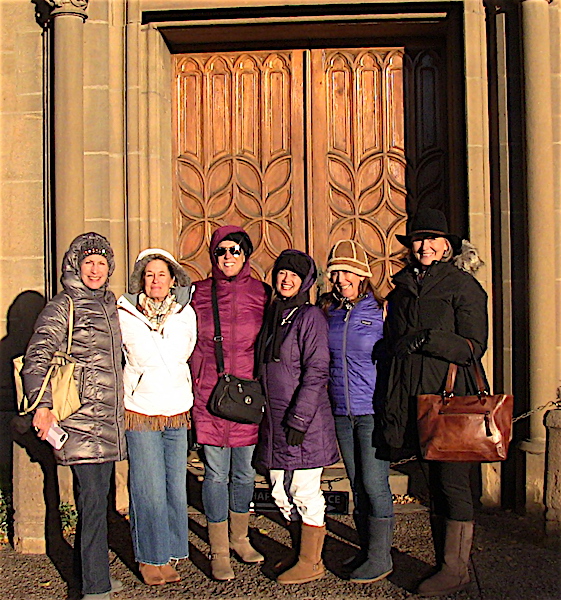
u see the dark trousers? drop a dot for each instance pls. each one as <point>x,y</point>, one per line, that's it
<point>450,489</point>
<point>92,484</point>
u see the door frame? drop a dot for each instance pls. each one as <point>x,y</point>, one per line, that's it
<point>148,103</point>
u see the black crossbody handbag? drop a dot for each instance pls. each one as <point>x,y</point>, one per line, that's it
<point>234,399</point>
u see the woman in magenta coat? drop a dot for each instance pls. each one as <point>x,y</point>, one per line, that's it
<point>228,446</point>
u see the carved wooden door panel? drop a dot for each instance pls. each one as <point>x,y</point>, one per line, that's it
<point>302,148</point>
<point>358,168</point>
<point>239,148</point>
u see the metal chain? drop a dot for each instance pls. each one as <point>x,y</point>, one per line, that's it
<point>556,403</point>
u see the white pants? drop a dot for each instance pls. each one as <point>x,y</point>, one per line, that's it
<point>300,491</point>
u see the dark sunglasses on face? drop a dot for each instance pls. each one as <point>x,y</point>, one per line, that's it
<point>233,250</point>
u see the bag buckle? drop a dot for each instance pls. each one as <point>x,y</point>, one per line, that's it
<point>218,338</point>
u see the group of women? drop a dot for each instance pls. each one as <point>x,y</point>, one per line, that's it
<point>338,376</point>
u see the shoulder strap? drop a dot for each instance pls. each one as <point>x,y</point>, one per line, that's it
<point>218,339</point>
<point>47,378</point>
<point>453,370</point>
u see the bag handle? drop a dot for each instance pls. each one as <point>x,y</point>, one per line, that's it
<point>52,367</point>
<point>453,370</point>
<point>218,339</point>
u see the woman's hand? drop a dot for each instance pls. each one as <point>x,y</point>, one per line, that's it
<point>42,421</point>
<point>411,343</point>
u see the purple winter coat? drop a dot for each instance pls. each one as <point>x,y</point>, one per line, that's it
<point>297,396</point>
<point>241,304</point>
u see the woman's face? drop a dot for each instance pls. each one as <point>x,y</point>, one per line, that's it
<point>288,283</point>
<point>94,271</point>
<point>347,284</point>
<point>428,250</point>
<point>230,258</point>
<point>157,279</point>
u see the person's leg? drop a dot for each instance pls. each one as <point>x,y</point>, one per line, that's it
<point>148,498</point>
<point>175,451</point>
<point>242,478</point>
<point>93,482</point>
<point>305,490</point>
<point>451,492</point>
<point>216,483</point>
<point>280,484</point>
<point>373,475</point>
<point>215,503</point>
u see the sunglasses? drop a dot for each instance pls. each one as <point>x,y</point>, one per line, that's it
<point>233,250</point>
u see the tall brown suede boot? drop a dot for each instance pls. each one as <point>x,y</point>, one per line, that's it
<point>454,574</point>
<point>220,551</point>
<point>310,565</point>
<point>239,541</point>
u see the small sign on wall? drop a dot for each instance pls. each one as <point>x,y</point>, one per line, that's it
<point>336,502</point>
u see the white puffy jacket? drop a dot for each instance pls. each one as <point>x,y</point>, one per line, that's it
<point>157,377</point>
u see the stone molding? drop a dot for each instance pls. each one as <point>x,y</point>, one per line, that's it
<point>77,8</point>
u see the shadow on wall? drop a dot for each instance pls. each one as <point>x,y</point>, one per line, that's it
<point>21,318</point>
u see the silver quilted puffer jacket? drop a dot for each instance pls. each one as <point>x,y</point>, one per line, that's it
<point>96,430</point>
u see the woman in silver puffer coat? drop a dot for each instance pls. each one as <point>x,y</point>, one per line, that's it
<point>96,431</point>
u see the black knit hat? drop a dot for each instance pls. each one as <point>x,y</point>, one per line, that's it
<point>427,223</point>
<point>296,262</point>
<point>241,238</point>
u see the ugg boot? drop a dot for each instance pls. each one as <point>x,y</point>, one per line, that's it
<point>169,573</point>
<point>294,530</point>
<point>361,526</point>
<point>151,574</point>
<point>310,565</point>
<point>378,563</point>
<point>239,541</point>
<point>454,574</point>
<point>220,551</point>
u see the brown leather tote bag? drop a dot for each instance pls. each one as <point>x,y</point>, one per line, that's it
<point>464,428</point>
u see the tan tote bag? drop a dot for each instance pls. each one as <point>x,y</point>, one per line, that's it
<point>60,375</point>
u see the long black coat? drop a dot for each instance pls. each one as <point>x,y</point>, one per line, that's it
<point>453,306</point>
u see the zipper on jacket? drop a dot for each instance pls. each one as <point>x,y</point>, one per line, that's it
<point>346,367</point>
<point>119,449</point>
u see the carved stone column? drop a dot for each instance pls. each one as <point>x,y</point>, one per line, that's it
<point>68,18</point>
<point>541,238</point>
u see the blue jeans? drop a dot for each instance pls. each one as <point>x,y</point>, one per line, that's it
<point>229,481</point>
<point>369,476</point>
<point>158,494</point>
<point>93,481</point>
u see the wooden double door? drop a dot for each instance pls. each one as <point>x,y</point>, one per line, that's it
<point>303,148</point>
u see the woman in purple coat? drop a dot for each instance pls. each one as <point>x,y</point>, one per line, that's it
<point>228,447</point>
<point>298,432</point>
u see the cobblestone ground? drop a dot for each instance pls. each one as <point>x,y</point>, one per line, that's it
<point>510,562</point>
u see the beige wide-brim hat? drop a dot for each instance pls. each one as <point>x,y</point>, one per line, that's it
<point>348,255</point>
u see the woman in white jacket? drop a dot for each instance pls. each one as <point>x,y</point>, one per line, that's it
<point>159,333</point>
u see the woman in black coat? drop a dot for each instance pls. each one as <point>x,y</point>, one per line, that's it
<point>436,307</point>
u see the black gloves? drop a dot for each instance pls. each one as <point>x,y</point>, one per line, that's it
<point>411,343</point>
<point>294,437</point>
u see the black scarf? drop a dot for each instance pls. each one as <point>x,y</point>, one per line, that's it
<point>272,335</point>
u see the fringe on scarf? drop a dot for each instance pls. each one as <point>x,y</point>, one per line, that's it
<point>138,422</point>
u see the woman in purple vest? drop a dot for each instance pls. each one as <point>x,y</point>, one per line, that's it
<point>355,317</point>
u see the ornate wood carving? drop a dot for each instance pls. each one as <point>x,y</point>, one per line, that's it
<point>359,155</point>
<point>239,153</point>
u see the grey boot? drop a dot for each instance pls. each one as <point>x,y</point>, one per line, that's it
<point>220,551</point>
<point>239,540</point>
<point>454,574</point>
<point>378,563</point>
<point>361,526</point>
<point>104,596</point>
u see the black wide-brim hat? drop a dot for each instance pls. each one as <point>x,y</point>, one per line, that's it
<point>430,222</point>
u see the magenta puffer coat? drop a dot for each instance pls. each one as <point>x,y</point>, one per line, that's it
<point>241,304</point>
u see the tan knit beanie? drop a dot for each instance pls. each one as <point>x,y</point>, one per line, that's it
<point>348,255</point>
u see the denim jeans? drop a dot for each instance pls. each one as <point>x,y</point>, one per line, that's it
<point>93,481</point>
<point>229,481</point>
<point>158,494</point>
<point>369,476</point>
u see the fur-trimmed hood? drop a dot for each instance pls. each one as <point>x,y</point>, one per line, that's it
<point>135,281</point>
